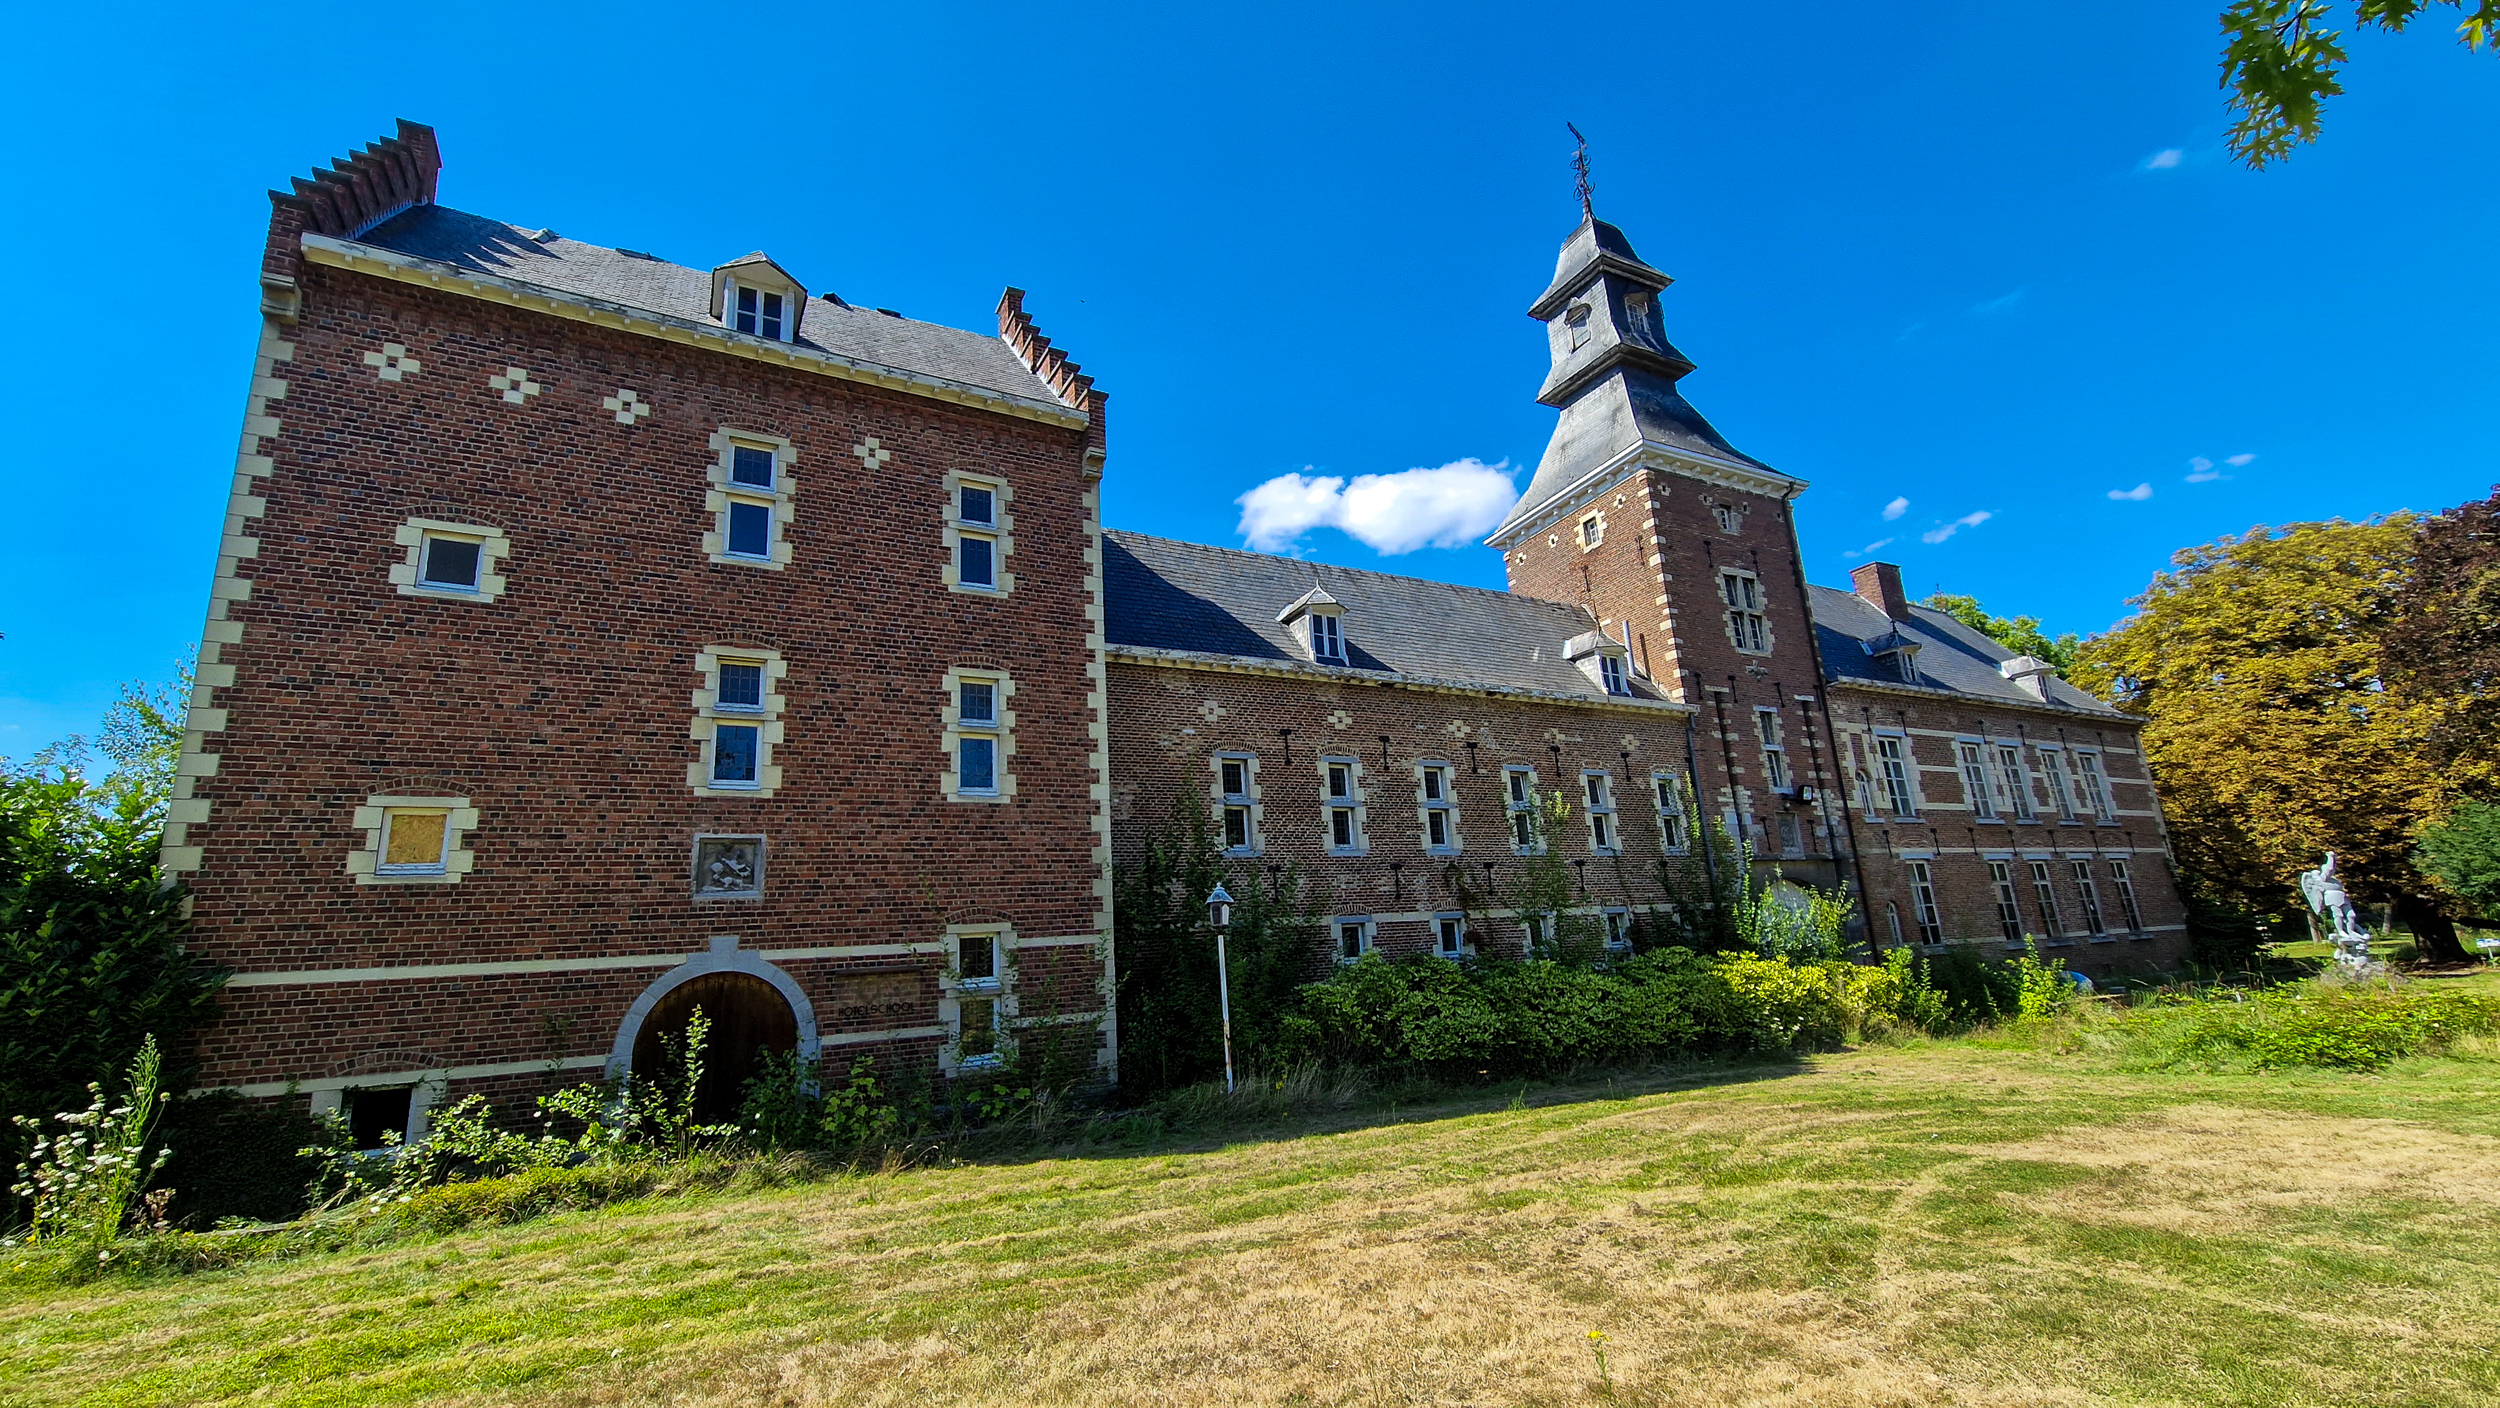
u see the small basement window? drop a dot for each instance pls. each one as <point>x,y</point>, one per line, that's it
<point>377,1117</point>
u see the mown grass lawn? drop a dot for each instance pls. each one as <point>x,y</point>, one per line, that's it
<point>1930,1223</point>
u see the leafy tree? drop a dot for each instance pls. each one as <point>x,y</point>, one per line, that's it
<point>2269,723</point>
<point>2445,644</point>
<point>91,955</point>
<point>2281,67</point>
<point>1171,1028</point>
<point>2464,853</point>
<point>2017,633</point>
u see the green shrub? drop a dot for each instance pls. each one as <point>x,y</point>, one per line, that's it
<point>91,956</point>
<point>233,1158</point>
<point>2324,1025</point>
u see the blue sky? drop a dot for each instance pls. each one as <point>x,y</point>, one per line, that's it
<point>1930,253</point>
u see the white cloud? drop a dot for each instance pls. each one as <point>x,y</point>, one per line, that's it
<point>1391,513</point>
<point>1895,509</point>
<point>2163,160</point>
<point>2138,494</point>
<point>1876,546</point>
<point>2239,461</point>
<point>1998,304</point>
<point>1943,531</point>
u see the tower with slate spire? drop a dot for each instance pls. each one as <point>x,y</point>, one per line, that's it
<point>1674,542</point>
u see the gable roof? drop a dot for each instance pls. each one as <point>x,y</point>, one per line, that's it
<point>474,242</point>
<point>1168,596</point>
<point>1951,656</point>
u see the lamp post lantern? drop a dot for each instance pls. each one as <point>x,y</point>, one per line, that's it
<point>1220,917</point>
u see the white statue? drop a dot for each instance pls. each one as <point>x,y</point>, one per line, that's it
<point>2324,890</point>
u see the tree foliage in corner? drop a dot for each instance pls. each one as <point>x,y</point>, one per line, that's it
<point>2280,66</point>
<point>2270,724</point>
<point>2463,851</point>
<point>2445,644</point>
<point>91,955</point>
<point>2021,634</point>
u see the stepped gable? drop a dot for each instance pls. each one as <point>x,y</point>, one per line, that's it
<point>1952,656</point>
<point>358,192</point>
<point>1169,595</point>
<point>1065,378</point>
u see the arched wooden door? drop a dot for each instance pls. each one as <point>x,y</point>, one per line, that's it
<point>748,1018</point>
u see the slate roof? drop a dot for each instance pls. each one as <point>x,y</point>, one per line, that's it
<point>1162,594</point>
<point>474,242</point>
<point>1951,655</point>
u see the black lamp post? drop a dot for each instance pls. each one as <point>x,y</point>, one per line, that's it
<point>1220,916</point>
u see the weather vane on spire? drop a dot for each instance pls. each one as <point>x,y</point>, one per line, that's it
<point>1580,163</point>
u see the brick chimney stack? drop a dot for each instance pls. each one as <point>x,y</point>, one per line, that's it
<point>1879,583</point>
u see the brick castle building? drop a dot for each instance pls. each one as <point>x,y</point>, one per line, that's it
<point>594,637</point>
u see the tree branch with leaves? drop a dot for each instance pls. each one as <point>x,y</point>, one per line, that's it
<point>2280,64</point>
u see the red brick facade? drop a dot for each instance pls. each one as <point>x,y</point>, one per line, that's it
<point>557,723</point>
<point>560,708</point>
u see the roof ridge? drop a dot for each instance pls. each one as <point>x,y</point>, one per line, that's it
<point>1502,593</point>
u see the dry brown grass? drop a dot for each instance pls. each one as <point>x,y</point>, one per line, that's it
<point>1924,1225</point>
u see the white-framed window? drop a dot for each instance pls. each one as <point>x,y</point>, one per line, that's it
<point>2044,894</point>
<point>2093,924</point>
<point>762,312</point>
<point>977,1001</point>
<point>1668,791</point>
<point>1327,638</point>
<point>1354,936</point>
<point>978,535</point>
<point>1592,531</point>
<point>1975,781</point>
<point>1438,807</point>
<point>413,840</point>
<point>1892,757</point>
<point>1237,802</point>
<point>1731,518</point>
<point>751,498</point>
<point>1792,835</point>
<point>1598,788</point>
<point>978,718</point>
<point>1892,921</point>
<point>1747,629</point>
<point>737,722</point>
<point>2009,909</point>
<point>1612,675</point>
<point>1519,800</point>
<point>2013,780</point>
<point>1449,935</point>
<point>1923,903</point>
<point>2092,784</point>
<point>2053,773</point>
<point>1774,750</point>
<point>450,561</point>
<point>2124,883</point>
<point>1341,806</point>
<point>1618,931</point>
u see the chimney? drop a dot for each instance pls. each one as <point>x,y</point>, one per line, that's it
<point>1879,583</point>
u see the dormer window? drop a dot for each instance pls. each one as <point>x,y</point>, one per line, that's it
<point>1327,638</point>
<point>759,312</point>
<point>1603,659</point>
<point>758,298</point>
<point>1577,320</point>
<point>1318,626</point>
